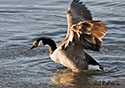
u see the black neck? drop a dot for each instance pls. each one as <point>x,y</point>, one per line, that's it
<point>51,43</point>
<point>52,47</point>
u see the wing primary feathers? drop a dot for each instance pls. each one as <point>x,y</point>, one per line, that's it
<point>78,9</point>
<point>75,1</point>
<point>89,34</point>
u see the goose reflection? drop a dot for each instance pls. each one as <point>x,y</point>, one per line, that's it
<point>68,78</point>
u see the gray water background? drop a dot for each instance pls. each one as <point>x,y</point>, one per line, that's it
<point>21,21</point>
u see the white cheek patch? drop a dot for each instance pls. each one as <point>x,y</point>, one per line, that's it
<point>40,43</point>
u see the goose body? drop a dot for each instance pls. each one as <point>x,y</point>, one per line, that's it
<point>72,57</point>
<point>83,34</point>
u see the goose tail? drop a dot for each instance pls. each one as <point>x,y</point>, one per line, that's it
<point>93,64</point>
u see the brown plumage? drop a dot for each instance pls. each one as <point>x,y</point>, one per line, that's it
<point>77,12</point>
<point>90,33</point>
<point>83,34</point>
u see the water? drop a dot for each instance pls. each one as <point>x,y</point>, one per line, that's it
<point>21,21</point>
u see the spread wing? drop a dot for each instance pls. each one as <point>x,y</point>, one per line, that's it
<point>77,12</point>
<point>89,34</point>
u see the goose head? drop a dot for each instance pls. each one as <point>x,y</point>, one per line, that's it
<point>39,42</point>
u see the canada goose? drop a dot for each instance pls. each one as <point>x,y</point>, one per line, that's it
<point>83,34</point>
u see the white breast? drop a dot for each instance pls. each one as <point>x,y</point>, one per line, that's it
<point>70,57</point>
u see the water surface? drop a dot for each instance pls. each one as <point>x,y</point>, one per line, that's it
<point>21,21</point>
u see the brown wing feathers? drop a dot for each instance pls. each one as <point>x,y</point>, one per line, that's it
<point>99,29</point>
<point>87,31</point>
<point>90,33</point>
<point>77,12</point>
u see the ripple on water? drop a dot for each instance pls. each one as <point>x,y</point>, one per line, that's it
<point>22,21</point>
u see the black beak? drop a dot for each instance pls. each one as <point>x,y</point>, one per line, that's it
<point>32,47</point>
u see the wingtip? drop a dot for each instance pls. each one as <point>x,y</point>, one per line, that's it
<point>76,1</point>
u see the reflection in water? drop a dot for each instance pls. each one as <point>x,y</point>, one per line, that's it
<point>87,79</point>
<point>68,78</point>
